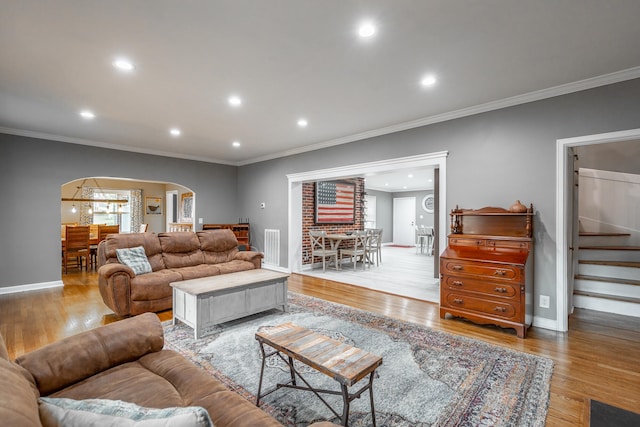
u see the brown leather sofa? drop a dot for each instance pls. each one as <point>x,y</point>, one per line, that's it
<point>123,361</point>
<point>173,257</point>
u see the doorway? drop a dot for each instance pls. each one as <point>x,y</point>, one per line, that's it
<point>436,160</point>
<point>566,215</point>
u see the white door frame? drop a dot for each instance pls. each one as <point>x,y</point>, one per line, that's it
<point>436,160</point>
<point>563,223</point>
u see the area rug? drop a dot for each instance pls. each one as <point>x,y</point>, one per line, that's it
<point>427,378</point>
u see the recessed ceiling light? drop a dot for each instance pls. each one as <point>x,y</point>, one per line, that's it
<point>430,180</point>
<point>235,100</point>
<point>366,29</point>
<point>86,114</point>
<point>236,144</point>
<point>428,80</point>
<point>303,123</point>
<point>410,175</point>
<point>123,64</point>
<point>175,132</point>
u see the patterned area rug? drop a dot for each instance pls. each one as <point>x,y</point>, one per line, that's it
<point>427,378</point>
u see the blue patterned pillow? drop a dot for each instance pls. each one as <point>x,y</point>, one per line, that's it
<point>116,413</point>
<point>135,258</point>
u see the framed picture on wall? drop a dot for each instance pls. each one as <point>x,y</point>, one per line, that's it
<point>335,202</point>
<point>153,205</point>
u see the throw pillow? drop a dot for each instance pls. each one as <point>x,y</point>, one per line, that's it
<point>134,258</point>
<point>58,412</point>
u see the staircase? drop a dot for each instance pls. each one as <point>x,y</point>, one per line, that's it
<point>608,274</point>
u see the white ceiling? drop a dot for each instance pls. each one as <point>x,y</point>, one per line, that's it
<point>288,59</point>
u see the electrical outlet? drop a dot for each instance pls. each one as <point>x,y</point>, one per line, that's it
<point>544,301</point>
<point>199,220</point>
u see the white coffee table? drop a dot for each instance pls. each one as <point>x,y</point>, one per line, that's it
<point>207,301</point>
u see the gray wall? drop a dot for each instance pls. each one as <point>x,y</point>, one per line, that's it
<point>616,157</point>
<point>494,159</point>
<point>34,170</point>
<point>384,213</point>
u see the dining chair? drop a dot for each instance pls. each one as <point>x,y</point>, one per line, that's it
<point>143,228</point>
<point>103,231</point>
<point>374,246</point>
<point>359,249</point>
<point>318,249</point>
<point>421,238</point>
<point>76,245</point>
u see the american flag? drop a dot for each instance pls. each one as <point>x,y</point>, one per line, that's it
<point>335,202</point>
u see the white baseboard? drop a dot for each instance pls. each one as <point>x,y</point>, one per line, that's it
<point>275,268</point>
<point>541,322</point>
<point>31,287</point>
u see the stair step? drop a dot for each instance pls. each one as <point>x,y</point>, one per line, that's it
<point>607,297</point>
<point>631,264</point>
<point>600,233</point>
<point>608,279</point>
<point>611,248</point>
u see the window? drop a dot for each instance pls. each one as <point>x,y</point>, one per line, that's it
<point>112,213</point>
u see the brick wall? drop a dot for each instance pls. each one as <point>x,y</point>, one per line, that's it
<point>308,216</point>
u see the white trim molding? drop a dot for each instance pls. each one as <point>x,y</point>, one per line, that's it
<point>31,287</point>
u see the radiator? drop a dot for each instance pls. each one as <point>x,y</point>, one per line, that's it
<point>272,247</point>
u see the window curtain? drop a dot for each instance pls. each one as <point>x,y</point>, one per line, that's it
<point>85,217</point>
<point>137,210</point>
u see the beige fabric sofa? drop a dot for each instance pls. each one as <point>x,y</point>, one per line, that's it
<point>122,361</point>
<point>173,257</point>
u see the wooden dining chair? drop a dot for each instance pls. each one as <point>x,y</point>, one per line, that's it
<point>359,249</point>
<point>76,246</point>
<point>318,249</point>
<point>103,231</point>
<point>143,228</point>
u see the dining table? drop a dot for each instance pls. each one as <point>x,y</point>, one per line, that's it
<point>336,238</point>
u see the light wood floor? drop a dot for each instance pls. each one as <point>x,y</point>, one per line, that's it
<point>598,358</point>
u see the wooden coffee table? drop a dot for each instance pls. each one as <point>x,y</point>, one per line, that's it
<point>207,301</point>
<point>342,362</point>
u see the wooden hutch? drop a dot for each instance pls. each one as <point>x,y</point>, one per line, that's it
<point>240,230</point>
<point>486,271</point>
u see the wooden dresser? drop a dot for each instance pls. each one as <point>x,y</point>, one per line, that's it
<point>486,271</point>
<point>241,232</point>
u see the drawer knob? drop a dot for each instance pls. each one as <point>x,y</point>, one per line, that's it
<point>457,283</point>
<point>457,267</point>
<point>500,273</point>
<point>458,300</point>
<point>500,309</point>
<point>501,290</point>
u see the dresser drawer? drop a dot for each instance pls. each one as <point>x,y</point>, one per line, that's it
<point>466,284</point>
<point>486,270</point>
<point>509,244</point>
<point>462,241</point>
<point>503,309</point>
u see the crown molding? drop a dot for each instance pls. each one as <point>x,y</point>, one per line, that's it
<point>119,147</point>
<point>590,83</point>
